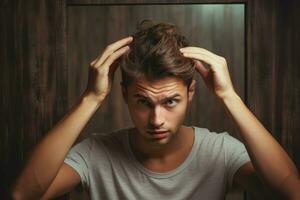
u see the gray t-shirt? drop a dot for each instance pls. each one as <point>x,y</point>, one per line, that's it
<point>109,169</point>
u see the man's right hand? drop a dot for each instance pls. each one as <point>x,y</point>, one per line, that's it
<point>101,70</point>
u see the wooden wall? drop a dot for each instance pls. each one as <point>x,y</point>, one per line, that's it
<point>34,73</point>
<point>273,85</point>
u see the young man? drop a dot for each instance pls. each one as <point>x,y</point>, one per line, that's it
<point>159,158</point>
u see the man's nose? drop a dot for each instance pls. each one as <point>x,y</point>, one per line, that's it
<point>156,117</point>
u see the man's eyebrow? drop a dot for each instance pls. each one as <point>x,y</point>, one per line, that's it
<point>166,98</point>
<point>172,96</point>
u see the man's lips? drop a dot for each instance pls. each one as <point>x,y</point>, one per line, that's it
<point>157,131</point>
<point>158,134</point>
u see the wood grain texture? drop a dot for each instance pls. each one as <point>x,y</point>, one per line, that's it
<point>273,70</point>
<point>32,79</point>
<point>34,74</point>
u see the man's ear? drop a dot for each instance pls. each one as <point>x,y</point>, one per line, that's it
<point>191,90</point>
<point>124,93</point>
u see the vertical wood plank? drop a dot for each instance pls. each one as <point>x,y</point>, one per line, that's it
<point>273,70</point>
<point>274,84</point>
<point>33,79</point>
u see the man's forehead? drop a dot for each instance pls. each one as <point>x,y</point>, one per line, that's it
<point>162,87</point>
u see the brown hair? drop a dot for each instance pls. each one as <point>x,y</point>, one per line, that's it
<point>154,54</point>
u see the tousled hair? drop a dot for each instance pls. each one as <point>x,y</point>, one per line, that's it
<point>154,54</point>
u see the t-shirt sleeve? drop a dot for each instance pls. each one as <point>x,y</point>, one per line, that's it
<point>236,156</point>
<point>79,159</point>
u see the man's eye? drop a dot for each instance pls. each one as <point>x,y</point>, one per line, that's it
<point>171,102</point>
<point>143,102</point>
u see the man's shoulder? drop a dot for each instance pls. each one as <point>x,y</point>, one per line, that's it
<point>114,136</point>
<point>205,132</point>
<point>101,144</point>
<point>111,138</point>
<point>220,138</point>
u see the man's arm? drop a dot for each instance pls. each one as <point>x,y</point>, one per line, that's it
<point>247,178</point>
<point>47,157</point>
<point>271,162</point>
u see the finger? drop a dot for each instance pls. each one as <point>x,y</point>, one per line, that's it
<point>93,62</point>
<point>201,69</point>
<point>199,50</point>
<point>112,48</point>
<point>114,66</point>
<point>203,54</point>
<point>212,62</point>
<point>116,45</point>
<point>113,57</point>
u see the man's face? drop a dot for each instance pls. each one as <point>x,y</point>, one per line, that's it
<point>158,108</point>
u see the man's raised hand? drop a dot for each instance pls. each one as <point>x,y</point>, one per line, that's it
<point>217,77</point>
<point>101,70</point>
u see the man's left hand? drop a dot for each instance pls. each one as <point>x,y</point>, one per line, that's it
<point>217,77</point>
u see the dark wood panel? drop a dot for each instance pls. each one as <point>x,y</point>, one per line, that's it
<point>32,79</point>
<point>273,70</point>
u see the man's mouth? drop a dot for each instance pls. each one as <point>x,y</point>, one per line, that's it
<point>158,134</point>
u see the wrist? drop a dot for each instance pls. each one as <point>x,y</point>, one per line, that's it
<point>230,98</point>
<point>92,99</point>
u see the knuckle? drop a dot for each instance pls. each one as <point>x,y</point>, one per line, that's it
<point>107,51</point>
<point>111,57</point>
<point>91,64</point>
<point>223,60</point>
<point>101,70</point>
<point>108,47</point>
